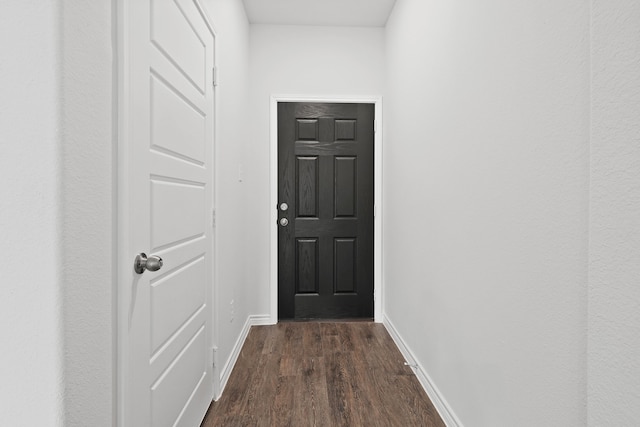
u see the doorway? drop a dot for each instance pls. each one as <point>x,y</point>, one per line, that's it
<point>307,274</point>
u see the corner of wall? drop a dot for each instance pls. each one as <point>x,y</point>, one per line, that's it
<point>88,120</point>
<point>227,368</point>
<point>437,398</point>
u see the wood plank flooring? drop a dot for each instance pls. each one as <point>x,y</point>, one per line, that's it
<point>329,374</point>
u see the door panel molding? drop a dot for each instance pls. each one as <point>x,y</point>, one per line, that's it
<point>273,174</point>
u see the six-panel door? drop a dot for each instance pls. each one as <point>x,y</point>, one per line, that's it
<point>326,172</point>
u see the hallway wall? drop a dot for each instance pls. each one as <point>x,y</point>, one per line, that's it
<point>614,244</point>
<point>297,60</point>
<point>88,193</point>
<point>234,300</point>
<point>486,198</point>
<point>30,215</point>
<point>57,244</point>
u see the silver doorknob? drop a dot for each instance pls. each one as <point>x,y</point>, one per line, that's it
<point>284,222</point>
<point>284,207</point>
<point>142,263</point>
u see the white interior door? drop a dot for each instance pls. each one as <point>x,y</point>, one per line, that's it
<point>167,366</point>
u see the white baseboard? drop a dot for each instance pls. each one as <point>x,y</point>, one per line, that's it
<point>262,319</point>
<point>256,319</point>
<point>441,405</point>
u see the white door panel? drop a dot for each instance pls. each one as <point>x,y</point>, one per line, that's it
<point>184,169</point>
<point>179,39</point>
<point>176,298</point>
<point>177,211</point>
<point>169,379</point>
<point>176,79</point>
<point>182,253</point>
<point>177,125</point>
<point>173,390</point>
<point>169,351</point>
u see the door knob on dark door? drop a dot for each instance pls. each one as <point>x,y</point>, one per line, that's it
<point>284,222</point>
<point>151,263</point>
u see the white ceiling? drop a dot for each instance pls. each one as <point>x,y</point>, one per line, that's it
<point>357,13</point>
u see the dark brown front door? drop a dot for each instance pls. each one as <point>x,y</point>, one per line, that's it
<point>325,231</point>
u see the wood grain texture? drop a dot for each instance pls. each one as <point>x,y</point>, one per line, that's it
<point>322,374</point>
<point>307,185</point>
<point>328,185</point>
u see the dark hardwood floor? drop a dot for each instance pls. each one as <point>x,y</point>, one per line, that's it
<point>322,374</point>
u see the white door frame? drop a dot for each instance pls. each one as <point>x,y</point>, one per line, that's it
<point>273,144</point>
<point>123,225</point>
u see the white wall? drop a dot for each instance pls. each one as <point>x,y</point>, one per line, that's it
<point>88,209</point>
<point>486,196</point>
<point>30,276</point>
<point>297,60</point>
<point>234,303</point>
<point>57,213</point>
<point>614,246</point>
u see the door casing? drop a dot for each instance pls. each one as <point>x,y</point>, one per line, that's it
<point>378,292</point>
<point>123,224</point>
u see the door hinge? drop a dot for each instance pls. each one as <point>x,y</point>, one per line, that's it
<point>213,218</point>
<point>215,76</point>
<point>214,357</point>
